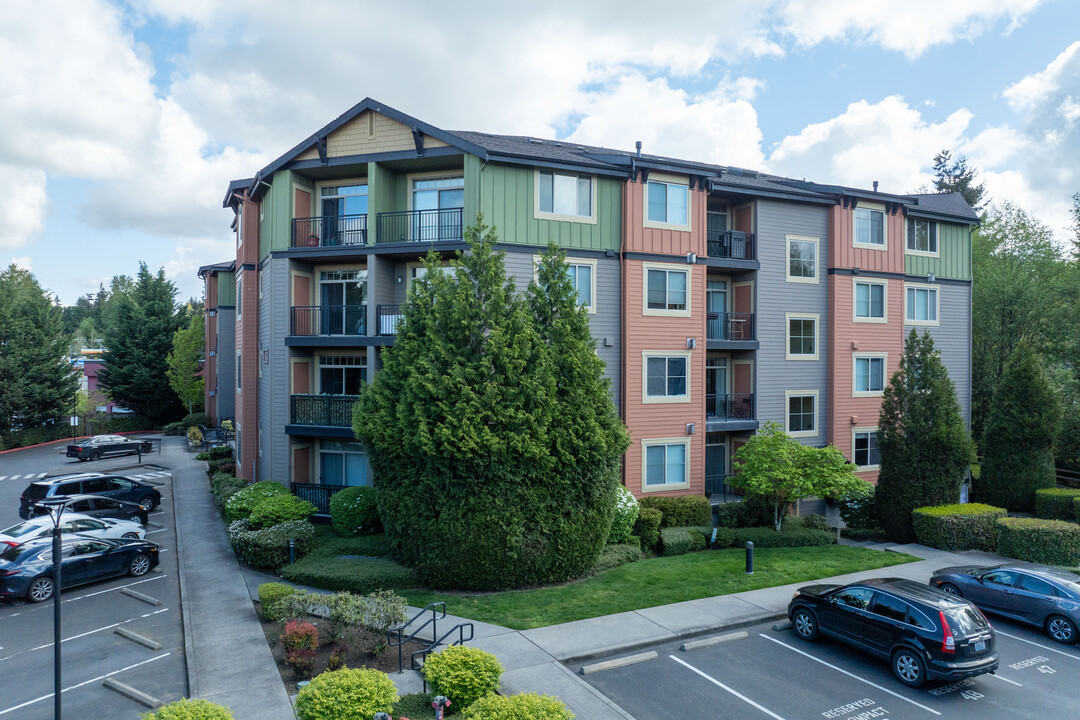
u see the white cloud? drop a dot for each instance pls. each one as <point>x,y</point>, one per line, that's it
<point>24,263</point>
<point>1038,88</point>
<point>22,205</point>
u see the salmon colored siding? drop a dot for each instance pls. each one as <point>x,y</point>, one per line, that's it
<point>301,465</point>
<point>638,238</point>
<point>844,254</point>
<point>247,337</point>
<point>301,377</point>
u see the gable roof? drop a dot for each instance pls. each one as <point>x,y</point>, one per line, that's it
<point>951,205</point>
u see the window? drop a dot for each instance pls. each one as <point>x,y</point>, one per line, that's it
<point>238,373</point>
<point>890,607</point>
<point>343,302</point>
<point>583,276</point>
<point>564,195</point>
<point>668,203</point>
<point>239,297</point>
<point>802,337</point>
<point>1000,577</point>
<point>342,374</point>
<point>869,375</point>
<point>870,227</point>
<point>665,465</point>
<point>870,301</point>
<point>858,598</point>
<point>344,212</point>
<point>442,198</point>
<point>665,377</point>
<point>921,305</point>
<point>922,236</point>
<point>342,463</point>
<point>802,259</point>
<point>801,413</point>
<point>666,291</point>
<point>1035,585</point>
<point>866,449</point>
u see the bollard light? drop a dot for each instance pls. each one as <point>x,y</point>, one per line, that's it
<point>55,505</point>
<point>749,558</point>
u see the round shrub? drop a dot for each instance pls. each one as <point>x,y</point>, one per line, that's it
<point>1055,503</point>
<point>463,674</point>
<point>224,486</point>
<point>270,593</point>
<point>185,709</point>
<point>526,706</point>
<point>346,695</point>
<point>194,436</point>
<point>197,419</point>
<point>647,527</point>
<point>857,510</point>
<point>269,547</point>
<point>243,502</point>
<point>969,526</point>
<point>1051,542</point>
<point>626,514</point>
<point>354,511</point>
<point>221,452</point>
<point>612,556</point>
<point>278,509</point>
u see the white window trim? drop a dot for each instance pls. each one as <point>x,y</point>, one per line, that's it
<point>884,227</point>
<point>429,175</point>
<point>316,366</point>
<point>862,468</point>
<point>645,268</point>
<point>788,317</point>
<point>409,266</point>
<point>316,193</point>
<point>668,180</point>
<point>645,444</point>
<point>923,253</point>
<point>855,281</point>
<point>788,394</point>
<point>575,261</point>
<point>817,259</point>
<point>239,296</point>
<point>855,356</point>
<point>539,214</point>
<point>239,373</point>
<point>646,399</point>
<point>937,303</point>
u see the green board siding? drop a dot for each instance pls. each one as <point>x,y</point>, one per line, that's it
<point>505,195</point>
<point>954,243</point>
<point>226,289</point>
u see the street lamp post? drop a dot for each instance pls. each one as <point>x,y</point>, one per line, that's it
<point>55,506</point>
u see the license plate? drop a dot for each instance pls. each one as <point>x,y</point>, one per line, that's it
<point>979,646</point>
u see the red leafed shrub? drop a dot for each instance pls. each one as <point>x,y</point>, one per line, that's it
<point>300,635</point>
<point>301,661</point>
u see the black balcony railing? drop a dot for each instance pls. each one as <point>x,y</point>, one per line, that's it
<point>388,317</point>
<point>730,326</point>
<point>329,231</point>
<point>317,495</point>
<point>328,320</point>
<point>738,406</point>
<point>424,226</point>
<point>732,245</point>
<point>322,410</point>
<point>718,483</point>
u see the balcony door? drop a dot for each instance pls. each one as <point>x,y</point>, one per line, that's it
<point>343,302</point>
<point>716,385</point>
<point>344,213</point>
<point>434,198</point>
<point>716,305</point>
<point>342,374</point>
<point>716,463</point>
<point>342,463</point>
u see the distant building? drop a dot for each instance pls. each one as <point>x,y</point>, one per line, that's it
<point>90,364</point>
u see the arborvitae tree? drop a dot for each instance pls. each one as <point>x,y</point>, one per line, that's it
<point>37,384</point>
<point>142,319</point>
<point>476,487</point>
<point>925,449</point>
<point>955,176</point>
<point>183,363</point>
<point>1018,455</point>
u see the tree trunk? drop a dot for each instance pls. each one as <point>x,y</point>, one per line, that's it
<point>776,515</point>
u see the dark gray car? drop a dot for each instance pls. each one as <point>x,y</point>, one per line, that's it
<point>1040,596</point>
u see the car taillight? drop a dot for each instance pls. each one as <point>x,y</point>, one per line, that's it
<point>9,543</point>
<point>8,573</point>
<point>948,642</point>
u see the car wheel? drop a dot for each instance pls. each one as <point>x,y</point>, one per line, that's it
<point>136,518</point>
<point>908,667</point>
<point>950,589</point>
<point>805,624</point>
<point>144,448</point>
<point>1061,629</point>
<point>95,454</point>
<point>140,565</point>
<point>130,536</point>
<point>40,590</point>
<point>147,503</point>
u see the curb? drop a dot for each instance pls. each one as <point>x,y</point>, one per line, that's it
<point>185,611</point>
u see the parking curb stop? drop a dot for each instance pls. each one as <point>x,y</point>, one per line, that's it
<point>618,662</point>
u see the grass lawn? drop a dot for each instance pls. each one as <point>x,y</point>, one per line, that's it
<point>659,581</point>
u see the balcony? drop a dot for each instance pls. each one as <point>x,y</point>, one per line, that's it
<point>421,226</point>
<point>731,331</point>
<point>733,248</point>
<point>321,415</point>
<point>387,318</point>
<point>719,490</point>
<point>316,494</point>
<point>332,320</point>
<point>335,231</point>
<point>730,412</point>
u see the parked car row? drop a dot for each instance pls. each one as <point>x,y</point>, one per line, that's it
<point>938,631</point>
<point>26,570</point>
<point>101,446</point>
<point>99,485</point>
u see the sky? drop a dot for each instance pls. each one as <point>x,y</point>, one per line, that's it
<point>122,123</point>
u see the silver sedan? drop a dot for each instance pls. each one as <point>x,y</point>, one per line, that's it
<point>39,527</point>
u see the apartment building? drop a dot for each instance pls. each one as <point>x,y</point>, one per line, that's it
<point>720,298</point>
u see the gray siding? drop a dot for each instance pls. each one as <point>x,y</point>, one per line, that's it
<point>775,297</point>
<point>226,364</point>
<point>274,312</point>
<point>952,338</point>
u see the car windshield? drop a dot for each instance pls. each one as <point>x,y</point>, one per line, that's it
<point>36,492</point>
<point>966,621</point>
<point>21,529</point>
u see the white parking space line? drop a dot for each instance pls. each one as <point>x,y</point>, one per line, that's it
<point>88,632</point>
<point>1013,682</point>
<point>851,675</point>
<point>85,682</point>
<point>151,532</point>
<point>16,477</point>
<point>721,685</point>
<point>81,597</point>
<point>1040,645</point>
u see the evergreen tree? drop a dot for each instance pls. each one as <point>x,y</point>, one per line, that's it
<point>37,385</point>
<point>1018,455</point>
<point>183,363</point>
<point>955,176</point>
<point>925,449</point>
<point>141,321</point>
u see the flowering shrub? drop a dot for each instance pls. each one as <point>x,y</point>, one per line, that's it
<point>626,514</point>
<point>353,511</point>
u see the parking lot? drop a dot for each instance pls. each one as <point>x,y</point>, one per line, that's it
<point>763,673</point>
<point>92,651</point>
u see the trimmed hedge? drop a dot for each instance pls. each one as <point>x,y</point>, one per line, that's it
<point>612,556</point>
<point>524,706</point>
<point>463,674</point>
<point>1055,503</point>
<point>185,709</point>
<point>627,510</point>
<point>767,537</point>
<point>1050,542</point>
<point>269,547</point>
<point>353,511</point>
<point>243,502</point>
<point>224,486</point>
<point>279,509</point>
<point>676,541</point>
<point>221,452</point>
<point>753,511</point>
<point>270,593</point>
<point>969,526</point>
<point>359,575</point>
<point>647,527</point>
<point>1076,508</point>
<point>681,511</point>
<point>346,695</point>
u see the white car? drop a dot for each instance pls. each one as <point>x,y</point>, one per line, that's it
<point>41,526</point>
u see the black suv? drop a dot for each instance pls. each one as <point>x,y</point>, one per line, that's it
<point>111,486</point>
<point>922,632</point>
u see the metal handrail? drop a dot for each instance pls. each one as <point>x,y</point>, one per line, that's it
<point>421,225</point>
<point>329,231</point>
<point>731,244</point>
<point>387,318</point>
<point>423,652</point>
<point>399,629</point>
<point>730,326</point>
<point>308,320</point>
<point>322,410</point>
<point>736,406</point>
